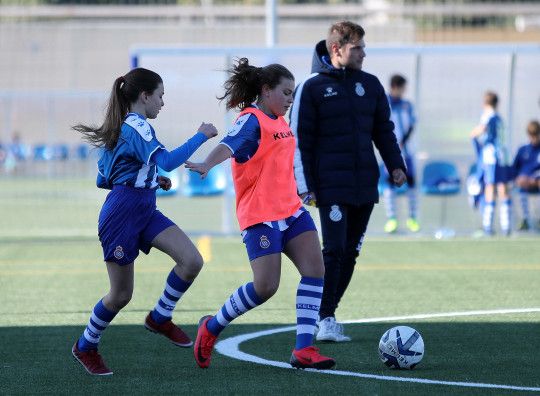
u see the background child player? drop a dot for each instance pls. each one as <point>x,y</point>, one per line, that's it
<point>404,120</point>
<point>268,208</point>
<point>493,164</point>
<point>129,220</point>
<point>527,172</point>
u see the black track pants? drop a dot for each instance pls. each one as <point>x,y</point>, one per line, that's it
<point>343,229</point>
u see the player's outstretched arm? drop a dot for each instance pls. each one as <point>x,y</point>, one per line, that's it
<point>219,154</point>
<point>171,160</point>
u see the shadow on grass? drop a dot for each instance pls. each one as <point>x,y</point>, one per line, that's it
<point>38,360</point>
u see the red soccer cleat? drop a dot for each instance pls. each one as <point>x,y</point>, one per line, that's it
<point>169,330</point>
<point>91,361</point>
<point>309,357</point>
<point>204,343</point>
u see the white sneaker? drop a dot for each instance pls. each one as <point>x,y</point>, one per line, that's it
<point>331,331</point>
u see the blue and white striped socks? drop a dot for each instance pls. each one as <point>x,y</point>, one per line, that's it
<point>174,289</point>
<point>524,200</point>
<point>99,320</point>
<point>413,202</point>
<point>487,217</point>
<point>390,202</point>
<point>308,303</point>
<point>505,215</point>
<point>241,301</point>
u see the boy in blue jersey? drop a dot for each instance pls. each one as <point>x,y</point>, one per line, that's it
<point>404,119</point>
<point>526,169</point>
<point>493,165</point>
<point>129,220</point>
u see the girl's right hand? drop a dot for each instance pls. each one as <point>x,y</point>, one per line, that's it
<point>201,168</point>
<point>209,130</point>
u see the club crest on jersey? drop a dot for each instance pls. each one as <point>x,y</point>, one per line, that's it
<point>119,253</point>
<point>264,242</point>
<point>237,127</point>
<point>335,213</point>
<point>330,92</point>
<point>359,89</point>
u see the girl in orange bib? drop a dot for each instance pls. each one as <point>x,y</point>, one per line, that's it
<point>268,208</point>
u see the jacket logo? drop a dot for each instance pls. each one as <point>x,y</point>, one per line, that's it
<point>335,213</point>
<point>282,135</point>
<point>359,89</point>
<point>330,92</point>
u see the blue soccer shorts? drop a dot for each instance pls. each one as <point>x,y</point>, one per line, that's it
<point>495,174</point>
<point>129,222</point>
<point>261,239</point>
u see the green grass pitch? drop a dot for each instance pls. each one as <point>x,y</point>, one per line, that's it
<point>49,285</point>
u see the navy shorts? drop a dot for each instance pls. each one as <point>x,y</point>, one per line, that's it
<point>261,239</point>
<point>495,174</point>
<point>128,222</point>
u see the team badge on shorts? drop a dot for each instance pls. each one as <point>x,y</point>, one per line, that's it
<point>335,213</point>
<point>119,253</point>
<point>264,243</point>
<point>359,89</point>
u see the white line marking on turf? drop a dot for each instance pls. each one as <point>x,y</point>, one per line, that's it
<point>446,315</point>
<point>230,347</point>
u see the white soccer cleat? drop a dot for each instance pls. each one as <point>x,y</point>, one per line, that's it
<point>331,331</point>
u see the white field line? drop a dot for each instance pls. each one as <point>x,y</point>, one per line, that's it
<point>230,347</point>
<point>445,315</point>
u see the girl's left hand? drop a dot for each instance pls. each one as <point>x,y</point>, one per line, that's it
<point>164,183</point>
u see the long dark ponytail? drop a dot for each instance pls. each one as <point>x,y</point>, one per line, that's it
<point>246,81</point>
<point>125,91</point>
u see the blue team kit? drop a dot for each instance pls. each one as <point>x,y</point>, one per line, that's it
<point>493,162</point>
<point>272,237</point>
<point>128,222</point>
<point>129,219</point>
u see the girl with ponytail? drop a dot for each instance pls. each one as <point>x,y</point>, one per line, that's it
<point>129,220</point>
<point>269,211</point>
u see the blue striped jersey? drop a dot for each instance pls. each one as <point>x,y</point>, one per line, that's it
<point>492,141</point>
<point>494,133</point>
<point>130,163</point>
<point>402,116</point>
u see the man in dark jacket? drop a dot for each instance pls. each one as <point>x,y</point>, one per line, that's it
<point>337,115</point>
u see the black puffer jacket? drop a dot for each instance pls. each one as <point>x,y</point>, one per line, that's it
<point>336,116</point>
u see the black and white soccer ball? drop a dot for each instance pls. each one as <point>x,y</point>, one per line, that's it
<point>401,347</point>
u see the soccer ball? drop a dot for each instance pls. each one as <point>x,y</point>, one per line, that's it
<point>401,347</point>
